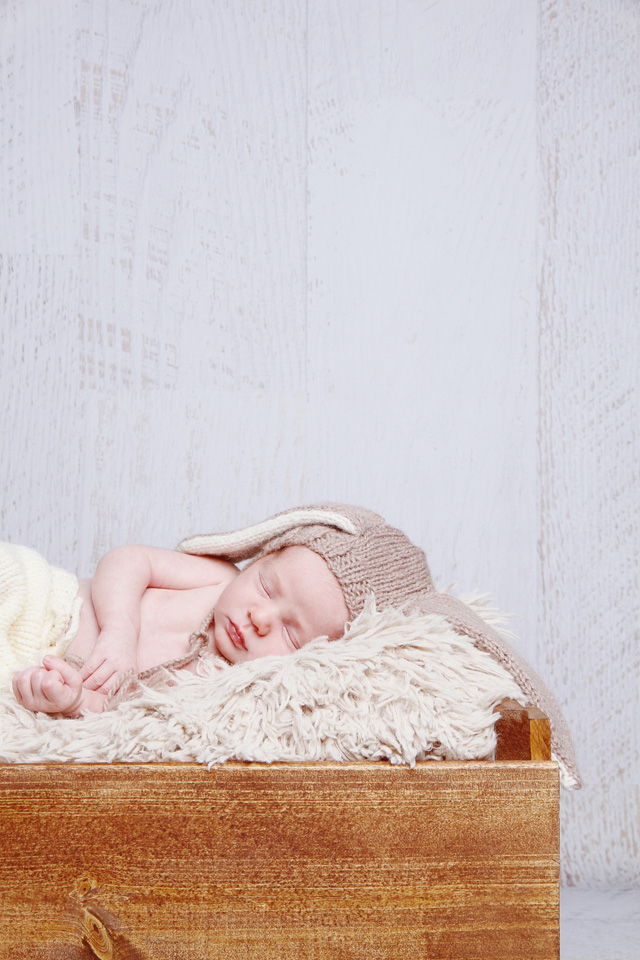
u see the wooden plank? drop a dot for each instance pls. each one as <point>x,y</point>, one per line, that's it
<point>421,318</point>
<point>283,861</point>
<point>524,733</point>
<point>512,730</point>
<point>539,734</point>
<point>589,411</point>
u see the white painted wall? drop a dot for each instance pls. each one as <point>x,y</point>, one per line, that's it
<point>588,265</point>
<point>255,255</point>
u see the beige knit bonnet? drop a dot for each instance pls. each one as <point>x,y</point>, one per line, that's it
<point>369,557</point>
<point>366,555</point>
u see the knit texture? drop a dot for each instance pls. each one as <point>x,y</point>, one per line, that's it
<point>367,555</point>
<point>372,559</point>
<point>39,608</point>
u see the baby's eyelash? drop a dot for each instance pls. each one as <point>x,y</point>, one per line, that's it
<point>290,637</point>
<point>263,585</point>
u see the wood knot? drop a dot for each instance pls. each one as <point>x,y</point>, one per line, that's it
<point>97,936</point>
<point>83,886</point>
<point>100,930</point>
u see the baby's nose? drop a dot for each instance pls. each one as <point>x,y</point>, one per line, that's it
<point>261,617</point>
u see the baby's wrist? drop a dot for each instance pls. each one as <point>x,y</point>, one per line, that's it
<point>88,701</point>
<point>75,709</point>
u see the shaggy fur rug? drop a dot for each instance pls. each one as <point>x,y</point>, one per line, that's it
<point>396,687</point>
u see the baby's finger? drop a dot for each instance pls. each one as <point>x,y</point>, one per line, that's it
<point>22,687</point>
<point>15,683</point>
<point>67,671</point>
<point>18,684</point>
<point>28,689</point>
<point>52,686</point>
<point>94,663</point>
<point>100,678</point>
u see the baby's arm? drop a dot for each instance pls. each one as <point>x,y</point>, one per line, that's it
<point>117,588</point>
<point>56,687</point>
<point>120,580</point>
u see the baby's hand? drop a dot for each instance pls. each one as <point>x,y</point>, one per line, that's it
<point>55,687</point>
<point>113,656</point>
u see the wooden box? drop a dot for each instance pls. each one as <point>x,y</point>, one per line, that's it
<point>287,861</point>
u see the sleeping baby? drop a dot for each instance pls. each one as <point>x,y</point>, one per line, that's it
<point>146,607</point>
<point>149,610</point>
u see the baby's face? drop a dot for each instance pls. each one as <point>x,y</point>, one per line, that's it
<point>277,605</point>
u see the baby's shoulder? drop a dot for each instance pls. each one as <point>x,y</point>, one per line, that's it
<point>223,570</point>
<point>204,570</point>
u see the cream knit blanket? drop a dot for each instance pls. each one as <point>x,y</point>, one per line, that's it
<point>397,687</point>
<point>39,608</point>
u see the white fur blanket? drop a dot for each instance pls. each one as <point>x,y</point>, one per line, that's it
<point>399,688</point>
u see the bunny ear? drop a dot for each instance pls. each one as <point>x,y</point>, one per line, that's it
<point>243,544</point>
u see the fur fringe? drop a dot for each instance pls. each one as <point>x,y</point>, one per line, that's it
<point>397,687</point>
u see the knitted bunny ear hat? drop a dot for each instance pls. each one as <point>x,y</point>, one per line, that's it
<point>365,554</point>
<point>369,557</point>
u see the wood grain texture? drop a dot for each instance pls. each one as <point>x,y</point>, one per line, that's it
<point>282,861</point>
<point>589,344</point>
<point>182,208</point>
<point>540,733</point>
<point>254,255</point>
<point>40,193</point>
<point>421,318</point>
<point>523,733</point>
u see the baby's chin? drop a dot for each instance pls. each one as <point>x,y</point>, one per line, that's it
<point>224,656</point>
<point>224,648</point>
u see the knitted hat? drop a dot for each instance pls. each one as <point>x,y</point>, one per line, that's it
<point>365,554</point>
<point>369,557</point>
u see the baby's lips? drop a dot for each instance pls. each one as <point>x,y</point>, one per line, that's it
<point>236,636</point>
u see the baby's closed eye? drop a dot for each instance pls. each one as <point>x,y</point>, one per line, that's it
<point>263,584</point>
<point>291,638</point>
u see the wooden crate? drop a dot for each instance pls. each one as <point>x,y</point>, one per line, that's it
<point>355,860</point>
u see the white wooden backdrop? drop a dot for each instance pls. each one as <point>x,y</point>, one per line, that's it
<point>254,255</point>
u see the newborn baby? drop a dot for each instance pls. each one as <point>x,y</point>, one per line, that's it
<point>147,606</point>
<point>312,569</point>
